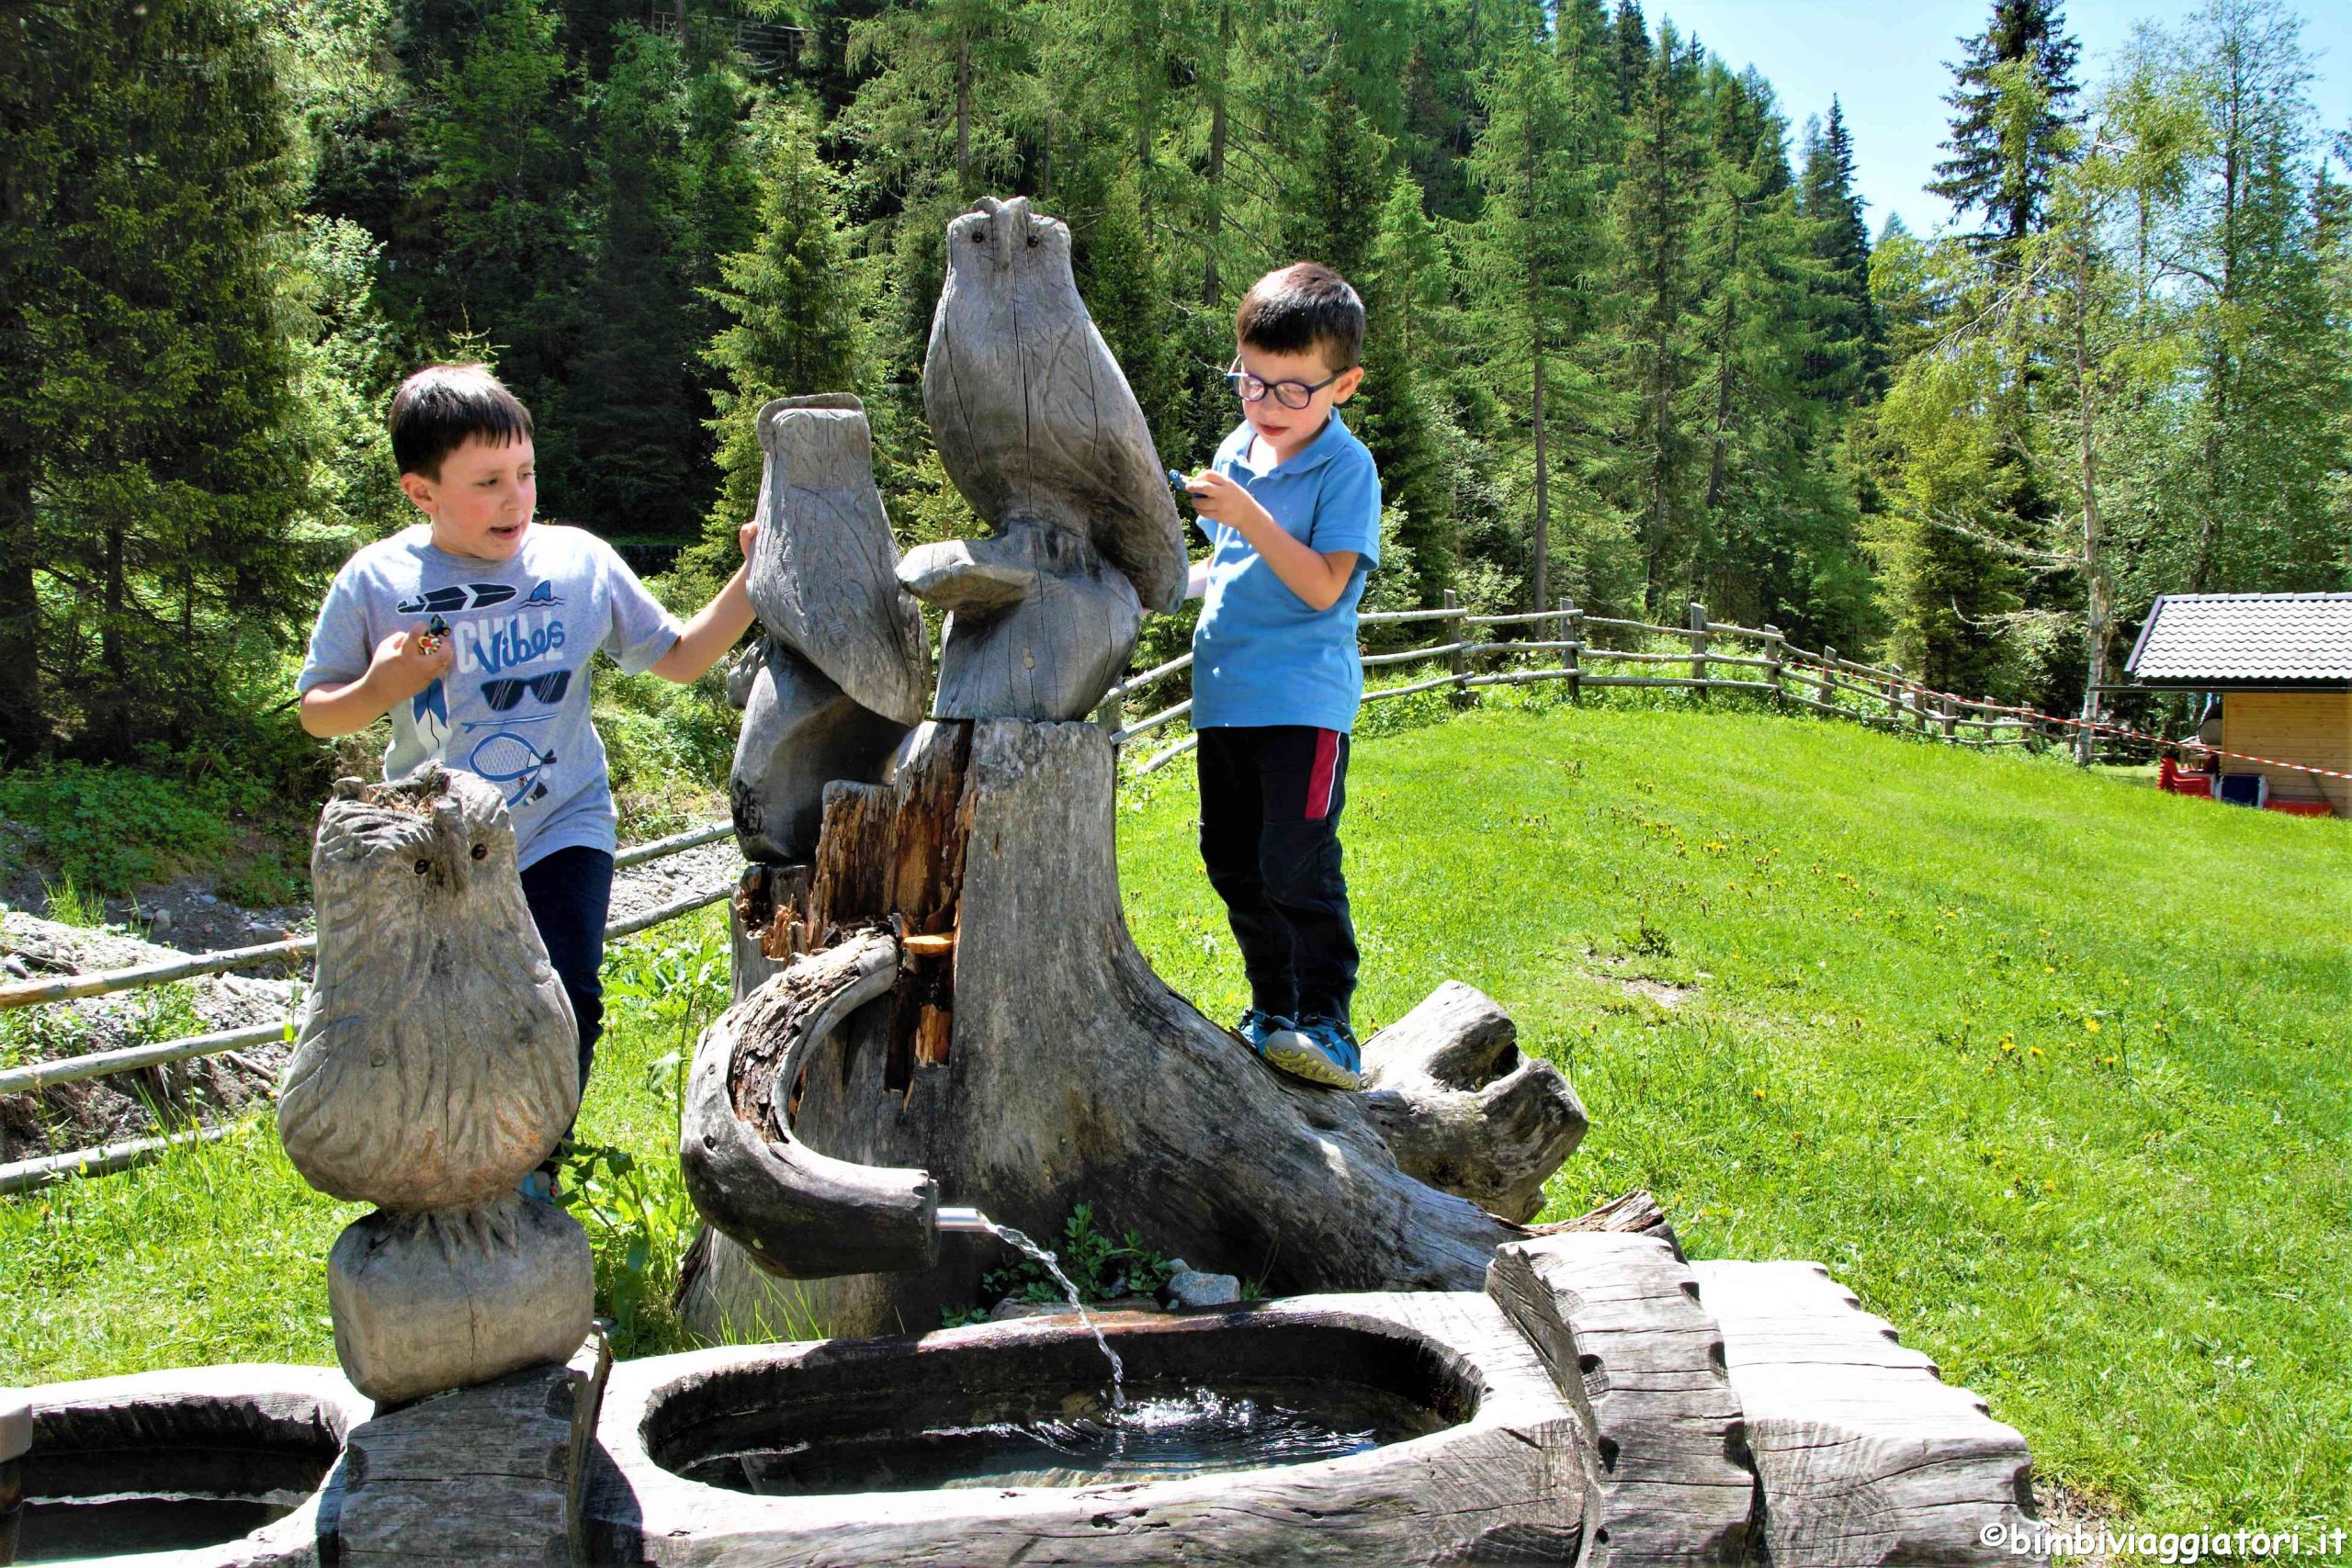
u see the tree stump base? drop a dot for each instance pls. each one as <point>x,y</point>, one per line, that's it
<point>962,1018</point>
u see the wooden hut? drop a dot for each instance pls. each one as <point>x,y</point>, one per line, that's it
<point>2281,665</point>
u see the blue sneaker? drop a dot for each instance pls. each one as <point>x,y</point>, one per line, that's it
<point>1320,1050</point>
<point>1255,1026</point>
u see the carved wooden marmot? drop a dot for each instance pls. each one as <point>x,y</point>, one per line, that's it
<point>840,674</point>
<point>438,1060</point>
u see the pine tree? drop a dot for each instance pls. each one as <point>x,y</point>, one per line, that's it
<point>503,135</point>
<point>796,305</point>
<point>1655,219</point>
<point>1847,362</point>
<point>2011,104</point>
<point>1403,282</point>
<point>34,75</point>
<point>634,405</point>
<point>1765,514</point>
<point>157,384</point>
<point>1532,254</point>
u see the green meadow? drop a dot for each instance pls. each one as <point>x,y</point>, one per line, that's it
<point>2045,1067</point>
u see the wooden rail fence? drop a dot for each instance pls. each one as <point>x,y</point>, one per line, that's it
<point>1760,662</point>
<point>21,1175</point>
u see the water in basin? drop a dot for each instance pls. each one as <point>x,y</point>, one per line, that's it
<point>1161,1436</point>
<point>75,1531</point>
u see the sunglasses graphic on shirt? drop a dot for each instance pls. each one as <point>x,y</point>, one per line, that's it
<point>548,688</point>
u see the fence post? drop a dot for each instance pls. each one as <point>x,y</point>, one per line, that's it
<point>1829,674</point>
<point>1951,718</point>
<point>1457,663</point>
<point>1697,620</point>
<point>1895,694</point>
<point>1572,656</point>
<point>1773,645</point>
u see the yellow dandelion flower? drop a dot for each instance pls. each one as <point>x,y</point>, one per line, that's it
<point>2091,1024</point>
<point>2033,1050</point>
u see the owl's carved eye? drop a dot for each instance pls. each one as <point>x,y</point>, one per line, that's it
<point>423,867</point>
<point>980,236</point>
<point>1033,242</point>
<point>481,851</point>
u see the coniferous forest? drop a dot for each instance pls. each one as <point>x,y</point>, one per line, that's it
<point>1631,339</point>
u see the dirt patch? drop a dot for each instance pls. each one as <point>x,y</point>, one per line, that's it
<point>1666,994</point>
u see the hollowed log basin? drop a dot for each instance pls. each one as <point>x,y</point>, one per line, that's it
<point>1393,1428</point>
<point>213,1467</point>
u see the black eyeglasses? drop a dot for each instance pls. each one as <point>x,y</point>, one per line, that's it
<point>548,688</point>
<point>1290,394</point>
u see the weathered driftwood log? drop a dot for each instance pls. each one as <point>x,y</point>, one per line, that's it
<point>842,674</point>
<point>1033,1061</point>
<point>484,1475</point>
<point>1865,1455</point>
<point>1617,1319</point>
<point>1463,1110</point>
<point>1037,428</point>
<point>437,1061</point>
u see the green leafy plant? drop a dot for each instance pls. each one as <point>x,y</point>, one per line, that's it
<point>1101,1268</point>
<point>679,984</point>
<point>638,1220</point>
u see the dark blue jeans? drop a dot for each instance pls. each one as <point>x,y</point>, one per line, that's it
<point>569,892</point>
<point>1270,836</point>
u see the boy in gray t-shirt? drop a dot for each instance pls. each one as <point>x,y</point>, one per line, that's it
<point>474,629</point>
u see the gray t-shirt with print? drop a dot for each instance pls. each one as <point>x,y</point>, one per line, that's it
<point>514,707</point>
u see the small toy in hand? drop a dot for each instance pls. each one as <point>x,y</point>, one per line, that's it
<point>1179,481</point>
<point>436,630</point>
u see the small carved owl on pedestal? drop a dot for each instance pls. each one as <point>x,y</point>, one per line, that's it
<point>437,1064</point>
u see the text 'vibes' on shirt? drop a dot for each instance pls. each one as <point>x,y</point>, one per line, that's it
<point>514,707</point>
<point>1260,654</point>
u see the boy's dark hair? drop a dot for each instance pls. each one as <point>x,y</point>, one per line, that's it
<point>437,409</point>
<point>1302,306</point>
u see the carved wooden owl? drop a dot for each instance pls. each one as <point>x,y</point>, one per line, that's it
<point>438,1060</point>
<point>1033,418</point>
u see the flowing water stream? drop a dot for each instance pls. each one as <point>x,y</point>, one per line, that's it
<point>1053,1266</point>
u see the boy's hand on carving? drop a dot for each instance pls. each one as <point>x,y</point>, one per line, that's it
<point>407,662</point>
<point>748,536</point>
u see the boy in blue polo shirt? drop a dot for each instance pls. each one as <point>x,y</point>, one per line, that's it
<point>1291,503</point>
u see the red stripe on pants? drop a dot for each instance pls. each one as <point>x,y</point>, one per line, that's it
<point>1318,782</point>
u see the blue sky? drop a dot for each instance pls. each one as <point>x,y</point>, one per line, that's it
<point>1885,61</point>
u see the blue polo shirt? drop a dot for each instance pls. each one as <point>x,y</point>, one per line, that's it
<point>1261,654</point>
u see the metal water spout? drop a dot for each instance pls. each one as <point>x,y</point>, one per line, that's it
<point>965,1221</point>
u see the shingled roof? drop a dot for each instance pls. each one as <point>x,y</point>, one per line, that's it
<point>2212,641</point>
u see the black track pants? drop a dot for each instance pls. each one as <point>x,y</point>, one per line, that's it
<point>1270,836</point>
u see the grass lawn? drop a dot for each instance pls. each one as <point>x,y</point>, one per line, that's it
<point>2045,1067</point>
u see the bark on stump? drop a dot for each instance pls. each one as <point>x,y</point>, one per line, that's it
<point>1020,1056</point>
